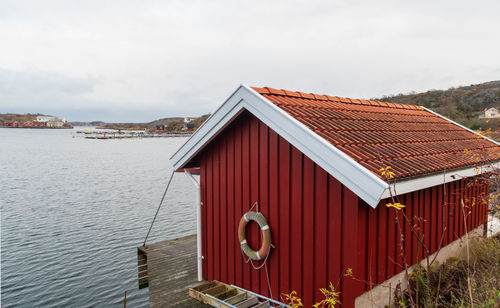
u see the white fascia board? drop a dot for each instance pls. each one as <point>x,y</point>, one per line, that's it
<point>229,110</point>
<point>460,125</point>
<point>410,185</point>
<point>350,173</point>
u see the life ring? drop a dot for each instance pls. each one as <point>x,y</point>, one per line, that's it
<point>266,234</point>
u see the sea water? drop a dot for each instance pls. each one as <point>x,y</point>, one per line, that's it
<point>73,211</point>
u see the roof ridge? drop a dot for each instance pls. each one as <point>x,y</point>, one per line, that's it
<point>338,99</point>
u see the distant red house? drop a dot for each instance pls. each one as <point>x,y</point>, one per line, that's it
<point>160,127</point>
<point>312,162</point>
<point>38,124</point>
<point>189,126</point>
<point>28,124</point>
<point>12,124</point>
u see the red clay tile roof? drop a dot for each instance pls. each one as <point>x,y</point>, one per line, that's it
<point>410,139</point>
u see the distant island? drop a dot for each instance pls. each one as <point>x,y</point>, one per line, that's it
<point>37,120</point>
<point>170,124</point>
<point>475,106</point>
<point>29,120</point>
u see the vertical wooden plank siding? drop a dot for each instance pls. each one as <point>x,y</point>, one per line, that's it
<point>414,222</point>
<point>453,213</point>
<point>362,238</point>
<point>334,230</point>
<point>283,240</point>
<point>264,189</point>
<point>232,219</point>
<point>238,202</point>
<point>381,243</point>
<point>320,229</point>
<point>349,236</point>
<point>408,246</point>
<point>391,243</point>
<point>446,202</point>
<point>246,203</point>
<point>308,206</point>
<point>216,212</point>
<point>296,243</point>
<point>223,230</point>
<point>274,220</point>
<point>421,225</point>
<point>400,229</point>
<point>423,200</point>
<point>371,250</point>
<point>253,231</point>
<point>460,196</point>
<point>427,221</point>
<point>439,235</point>
<point>434,222</point>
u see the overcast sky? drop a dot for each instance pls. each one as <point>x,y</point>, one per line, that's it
<point>143,60</point>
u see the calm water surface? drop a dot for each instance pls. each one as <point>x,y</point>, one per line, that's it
<point>73,210</point>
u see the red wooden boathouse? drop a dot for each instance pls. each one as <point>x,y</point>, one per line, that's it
<point>312,163</point>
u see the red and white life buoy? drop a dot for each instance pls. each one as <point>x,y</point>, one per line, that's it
<point>266,235</point>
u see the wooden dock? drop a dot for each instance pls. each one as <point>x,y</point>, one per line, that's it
<point>169,269</point>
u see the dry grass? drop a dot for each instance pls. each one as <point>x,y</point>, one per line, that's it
<point>447,285</point>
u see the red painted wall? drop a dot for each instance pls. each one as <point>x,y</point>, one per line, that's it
<point>379,251</point>
<point>319,227</point>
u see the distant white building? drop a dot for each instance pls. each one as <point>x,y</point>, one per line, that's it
<point>44,118</point>
<point>189,119</point>
<point>491,113</point>
<point>51,121</point>
<point>55,123</point>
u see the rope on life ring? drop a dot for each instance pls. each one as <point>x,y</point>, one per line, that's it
<point>266,235</point>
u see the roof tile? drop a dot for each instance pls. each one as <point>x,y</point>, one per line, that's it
<point>376,134</point>
<point>291,93</point>
<point>276,91</point>
<point>261,90</point>
<point>305,95</point>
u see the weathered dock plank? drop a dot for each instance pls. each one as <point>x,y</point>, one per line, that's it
<point>172,270</point>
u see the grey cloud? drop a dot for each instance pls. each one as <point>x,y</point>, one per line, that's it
<point>37,87</point>
<point>134,60</point>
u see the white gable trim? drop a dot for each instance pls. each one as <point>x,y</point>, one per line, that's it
<point>350,173</point>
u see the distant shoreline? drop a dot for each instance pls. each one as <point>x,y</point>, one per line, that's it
<point>46,127</point>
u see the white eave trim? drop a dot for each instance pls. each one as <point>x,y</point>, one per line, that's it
<point>446,176</point>
<point>345,169</point>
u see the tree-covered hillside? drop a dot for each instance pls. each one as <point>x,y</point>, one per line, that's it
<point>462,104</point>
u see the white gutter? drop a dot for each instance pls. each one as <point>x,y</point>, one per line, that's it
<point>198,222</point>
<point>438,178</point>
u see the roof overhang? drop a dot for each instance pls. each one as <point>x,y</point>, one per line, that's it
<point>413,184</point>
<point>350,173</point>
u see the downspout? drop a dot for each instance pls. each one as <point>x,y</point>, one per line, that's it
<point>198,222</point>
